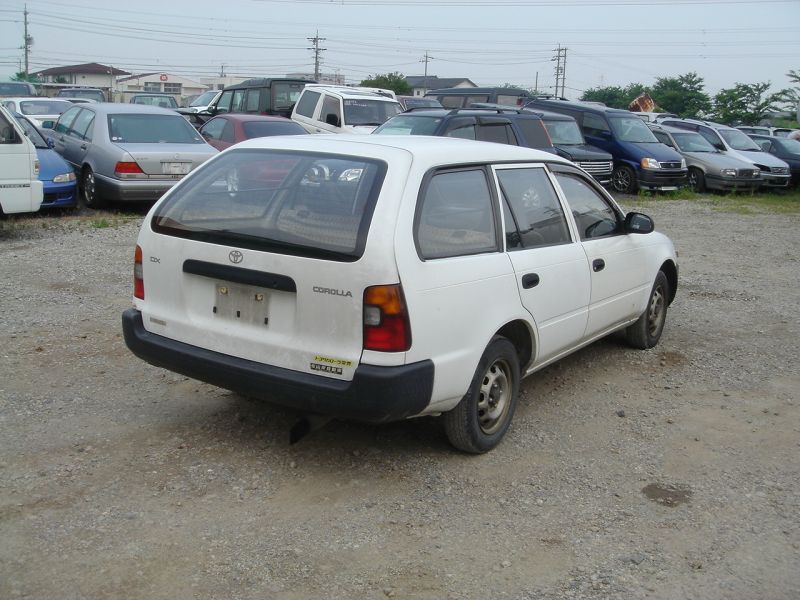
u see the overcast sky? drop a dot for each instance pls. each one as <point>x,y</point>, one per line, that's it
<point>609,42</point>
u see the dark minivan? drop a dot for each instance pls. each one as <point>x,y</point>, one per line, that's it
<point>640,160</point>
<point>463,97</point>
<point>260,97</point>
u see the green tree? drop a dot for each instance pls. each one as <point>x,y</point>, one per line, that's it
<point>390,81</point>
<point>23,76</point>
<point>683,95</point>
<point>614,96</point>
<point>745,103</point>
<point>789,98</point>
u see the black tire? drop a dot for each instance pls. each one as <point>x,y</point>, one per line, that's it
<point>89,190</point>
<point>481,419</point>
<point>696,180</point>
<point>646,332</point>
<point>623,180</point>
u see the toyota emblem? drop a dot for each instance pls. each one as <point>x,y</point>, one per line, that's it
<point>235,256</point>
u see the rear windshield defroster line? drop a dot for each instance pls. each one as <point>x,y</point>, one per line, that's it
<point>271,281</point>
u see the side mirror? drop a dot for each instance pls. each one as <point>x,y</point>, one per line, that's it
<point>333,120</point>
<point>638,223</point>
<point>51,143</point>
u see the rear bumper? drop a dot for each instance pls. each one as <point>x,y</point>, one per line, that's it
<point>375,394</point>
<point>132,190</point>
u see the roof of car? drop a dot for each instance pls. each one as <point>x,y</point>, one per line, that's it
<point>27,98</point>
<point>706,123</point>
<point>432,111</point>
<point>577,105</point>
<point>428,149</point>
<point>346,92</point>
<point>119,108</point>
<point>245,117</point>
<point>508,91</point>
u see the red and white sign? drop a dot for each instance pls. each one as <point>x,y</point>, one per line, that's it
<point>163,77</point>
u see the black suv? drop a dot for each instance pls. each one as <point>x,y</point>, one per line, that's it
<point>568,141</point>
<point>515,128</point>
<point>260,97</point>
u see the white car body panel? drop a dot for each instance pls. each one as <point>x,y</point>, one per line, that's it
<point>20,188</point>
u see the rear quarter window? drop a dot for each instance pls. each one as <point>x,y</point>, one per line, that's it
<point>307,104</point>
<point>455,216</point>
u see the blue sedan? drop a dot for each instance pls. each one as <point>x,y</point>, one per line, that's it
<point>57,176</point>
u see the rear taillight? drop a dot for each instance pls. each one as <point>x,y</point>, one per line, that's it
<point>128,170</point>
<point>138,275</point>
<point>386,324</point>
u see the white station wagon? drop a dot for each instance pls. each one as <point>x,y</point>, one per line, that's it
<point>379,278</point>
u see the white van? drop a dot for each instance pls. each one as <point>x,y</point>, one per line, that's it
<point>341,109</point>
<point>384,277</point>
<point>20,188</point>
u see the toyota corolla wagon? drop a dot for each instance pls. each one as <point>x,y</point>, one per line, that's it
<point>378,278</point>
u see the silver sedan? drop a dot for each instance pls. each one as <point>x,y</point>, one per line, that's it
<point>127,152</point>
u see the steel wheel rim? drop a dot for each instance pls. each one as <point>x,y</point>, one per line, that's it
<point>655,312</point>
<point>88,187</point>
<point>494,396</point>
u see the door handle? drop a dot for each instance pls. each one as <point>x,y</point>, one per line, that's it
<point>598,264</point>
<point>83,146</point>
<point>530,280</point>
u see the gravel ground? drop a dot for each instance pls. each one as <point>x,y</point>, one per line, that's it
<point>669,473</point>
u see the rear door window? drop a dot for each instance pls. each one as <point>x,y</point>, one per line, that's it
<point>253,100</point>
<point>594,125</point>
<point>303,204</point>
<point>536,216</point>
<point>455,216</point>
<point>81,127</point>
<point>307,104</point>
<point>66,118</point>
<point>498,132</point>
<point>535,134</point>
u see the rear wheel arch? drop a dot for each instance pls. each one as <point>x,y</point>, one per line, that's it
<point>519,333</point>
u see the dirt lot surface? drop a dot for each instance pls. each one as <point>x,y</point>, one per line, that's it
<point>669,473</point>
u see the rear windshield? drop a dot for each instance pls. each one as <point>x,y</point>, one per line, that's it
<point>203,99</point>
<point>152,129</point>
<point>738,140</point>
<point>632,129</point>
<point>13,88</point>
<point>304,204</point>
<point>43,107</point>
<point>254,129</point>
<point>91,94</point>
<point>564,133</point>
<point>284,95</point>
<point>369,112</point>
<point>408,125</point>
<point>163,101</point>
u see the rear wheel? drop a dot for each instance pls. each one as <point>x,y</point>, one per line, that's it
<point>623,180</point>
<point>89,189</point>
<point>697,181</point>
<point>484,414</point>
<point>646,332</point>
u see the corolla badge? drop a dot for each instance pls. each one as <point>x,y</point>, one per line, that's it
<point>235,256</point>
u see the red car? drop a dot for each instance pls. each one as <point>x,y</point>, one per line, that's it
<point>225,130</point>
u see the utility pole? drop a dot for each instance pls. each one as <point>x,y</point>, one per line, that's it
<point>317,51</point>
<point>561,69</point>
<point>426,60</point>
<point>536,85</point>
<point>28,42</point>
<point>222,70</point>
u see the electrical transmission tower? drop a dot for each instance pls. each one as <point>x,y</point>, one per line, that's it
<point>561,70</point>
<point>317,52</point>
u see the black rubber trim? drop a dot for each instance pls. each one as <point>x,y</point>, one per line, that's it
<point>375,394</point>
<point>261,279</point>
